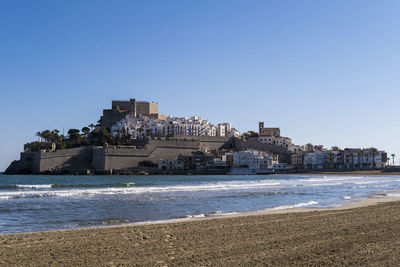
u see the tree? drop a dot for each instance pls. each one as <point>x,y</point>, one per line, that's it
<point>74,139</point>
<point>393,156</point>
<point>38,135</point>
<point>105,136</point>
<point>85,130</point>
<point>352,160</point>
<point>335,148</point>
<point>330,160</point>
<point>373,151</point>
<point>361,161</point>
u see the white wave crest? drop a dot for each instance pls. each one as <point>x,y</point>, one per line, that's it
<point>219,186</point>
<point>34,186</point>
<point>393,194</point>
<point>229,213</point>
<point>298,205</point>
<point>196,216</point>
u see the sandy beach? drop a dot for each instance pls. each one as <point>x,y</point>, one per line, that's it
<point>365,232</point>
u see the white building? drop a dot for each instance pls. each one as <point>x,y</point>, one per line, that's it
<point>295,148</point>
<point>284,142</point>
<point>313,160</point>
<point>254,159</point>
<point>345,159</point>
<point>145,126</point>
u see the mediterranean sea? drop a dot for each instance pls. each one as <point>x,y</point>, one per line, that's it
<point>30,203</point>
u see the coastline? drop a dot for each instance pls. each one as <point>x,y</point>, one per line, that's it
<point>359,233</point>
<point>192,173</point>
<point>375,199</point>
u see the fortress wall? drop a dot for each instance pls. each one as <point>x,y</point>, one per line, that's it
<point>29,161</point>
<point>124,158</point>
<point>206,142</point>
<point>72,159</point>
<point>98,158</point>
<point>123,105</point>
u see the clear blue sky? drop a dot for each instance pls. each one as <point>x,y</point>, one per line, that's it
<point>326,72</point>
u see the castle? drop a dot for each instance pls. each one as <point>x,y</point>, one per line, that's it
<point>121,108</point>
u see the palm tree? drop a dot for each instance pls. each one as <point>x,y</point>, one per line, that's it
<point>352,160</point>
<point>361,159</point>
<point>393,155</point>
<point>85,130</point>
<point>373,150</point>
<point>38,134</point>
<point>330,160</point>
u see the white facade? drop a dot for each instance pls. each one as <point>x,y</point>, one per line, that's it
<point>345,159</point>
<point>284,142</point>
<point>295,148</point>
<point>313,160</point>
<point>253,159</point>
<point>145,126</point>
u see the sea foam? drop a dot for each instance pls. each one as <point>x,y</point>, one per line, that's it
<point>298,205</point>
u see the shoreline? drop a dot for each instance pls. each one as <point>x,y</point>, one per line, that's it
<point>364,232</point>
<point>375,199</point>
<point>350,173</point>
<point>355,172</point>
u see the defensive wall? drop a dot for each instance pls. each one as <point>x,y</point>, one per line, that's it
<point>29,162</point>
<point>67,160</point>
<point>111,157</point>
<point>81,159</point>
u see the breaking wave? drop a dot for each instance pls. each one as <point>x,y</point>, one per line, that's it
<point>298,205</point>
<point>48,186</point>
<point>128,188</point>
<point>123,188</point>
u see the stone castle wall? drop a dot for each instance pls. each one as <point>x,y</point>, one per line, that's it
<point>71,160</point>
<point>125,158</point>
<point>29,162</point>
<point>78,160</point>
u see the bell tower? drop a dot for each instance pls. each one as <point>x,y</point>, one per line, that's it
<point>260,126</point>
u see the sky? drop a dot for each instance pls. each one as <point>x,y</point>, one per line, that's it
<point>325,72</point>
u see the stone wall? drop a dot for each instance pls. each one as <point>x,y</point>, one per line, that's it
<point>125,157</point>
<point>72,160</point>
<point>29,162</point>
<point>206,142</point>
<point>78,160</point>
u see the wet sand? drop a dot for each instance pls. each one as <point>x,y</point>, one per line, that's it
<point>366,232</point>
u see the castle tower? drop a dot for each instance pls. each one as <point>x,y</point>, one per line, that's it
<point>133,107</point>
<point>260,126</point>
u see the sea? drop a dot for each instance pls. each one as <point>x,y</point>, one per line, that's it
<point>30,203</point>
